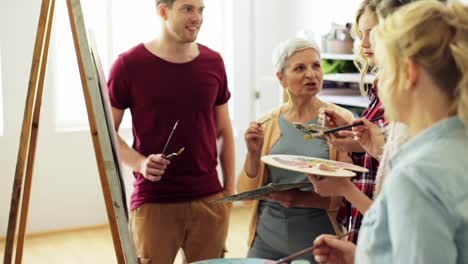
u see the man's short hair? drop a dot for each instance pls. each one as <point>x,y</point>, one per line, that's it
<point>169,3</point>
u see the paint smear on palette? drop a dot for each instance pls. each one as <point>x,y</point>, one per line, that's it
<point>300,162</point>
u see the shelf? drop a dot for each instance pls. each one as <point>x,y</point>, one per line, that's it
<point>348,97</point>
<point>337,56</point>
<point>348,77</point>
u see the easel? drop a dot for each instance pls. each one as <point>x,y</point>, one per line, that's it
<point>102,132</point>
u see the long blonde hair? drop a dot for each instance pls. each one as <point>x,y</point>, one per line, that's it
<point>360,61</point>
<point>435,36</point>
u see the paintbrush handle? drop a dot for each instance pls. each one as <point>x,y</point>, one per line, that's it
<point>360,123</point>
<point>169,138</point>
<point>264,121</point>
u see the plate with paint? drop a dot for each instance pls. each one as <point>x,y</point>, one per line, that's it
<point>311,165</point>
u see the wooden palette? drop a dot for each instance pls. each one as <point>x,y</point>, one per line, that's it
<point>311,165</point>
<point>259,193</point>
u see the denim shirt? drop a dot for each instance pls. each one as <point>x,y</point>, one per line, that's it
<point>421,215</point>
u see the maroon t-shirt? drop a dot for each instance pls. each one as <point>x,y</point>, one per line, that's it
<point>158,93</point>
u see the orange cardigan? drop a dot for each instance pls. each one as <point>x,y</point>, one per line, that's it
<point>272,133</point>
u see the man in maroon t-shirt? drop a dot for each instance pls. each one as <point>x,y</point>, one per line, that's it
<point>169,79</point>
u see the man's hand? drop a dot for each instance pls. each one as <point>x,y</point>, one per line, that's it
<point>330,250</point>
<point>154,166</point>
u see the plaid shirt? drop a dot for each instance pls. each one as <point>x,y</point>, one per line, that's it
<point>349,215</point>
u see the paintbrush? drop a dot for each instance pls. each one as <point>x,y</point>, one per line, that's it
<point>169,138</point>
<point>334,130</point>
<point>264,121</point>
<point>304,251</point>
<point>324,119</point>
<point>308,129</point>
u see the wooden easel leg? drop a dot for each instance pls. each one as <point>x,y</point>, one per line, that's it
<point>79,38</point>
<point>100,134</point>
<point>32,102</point>
<point>33,142</point>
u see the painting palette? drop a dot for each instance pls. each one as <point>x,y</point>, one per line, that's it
<point>311,165</point>
<point>259,193</point>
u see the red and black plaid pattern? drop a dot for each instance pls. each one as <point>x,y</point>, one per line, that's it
<point>349,215</point>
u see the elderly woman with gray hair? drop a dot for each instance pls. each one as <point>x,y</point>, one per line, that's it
<point>290,220</point>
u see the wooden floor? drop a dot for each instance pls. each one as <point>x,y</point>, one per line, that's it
<point>94,245</point>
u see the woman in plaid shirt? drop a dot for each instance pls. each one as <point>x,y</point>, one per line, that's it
<point>359,192</point>
<point>366,152</point>
<point>421,214</point>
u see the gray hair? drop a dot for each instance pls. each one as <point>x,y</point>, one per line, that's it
<point>287,48</point>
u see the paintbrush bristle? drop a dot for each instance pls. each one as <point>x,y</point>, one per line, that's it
<point>316,135</point>
<point>313,135</point>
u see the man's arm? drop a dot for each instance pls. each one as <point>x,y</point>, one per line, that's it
<point>129,156</point>
<point>224,133</point>
<point>151,167</point>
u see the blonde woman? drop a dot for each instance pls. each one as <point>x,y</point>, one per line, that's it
<point>358,192</point>
<point>421,215</point>
<point>289,221</point>
<point>380,146</point>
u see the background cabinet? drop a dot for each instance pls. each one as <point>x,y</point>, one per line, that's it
<point>343,88</point>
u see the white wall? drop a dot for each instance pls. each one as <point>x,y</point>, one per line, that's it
<point>66,190</point>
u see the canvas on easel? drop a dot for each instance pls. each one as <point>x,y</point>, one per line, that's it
<point>103,89</point>
<point>101,128</point>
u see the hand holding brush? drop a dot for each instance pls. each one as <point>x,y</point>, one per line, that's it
<point>369,135</point>
<point>309,249</point>
<point>347,127</point>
